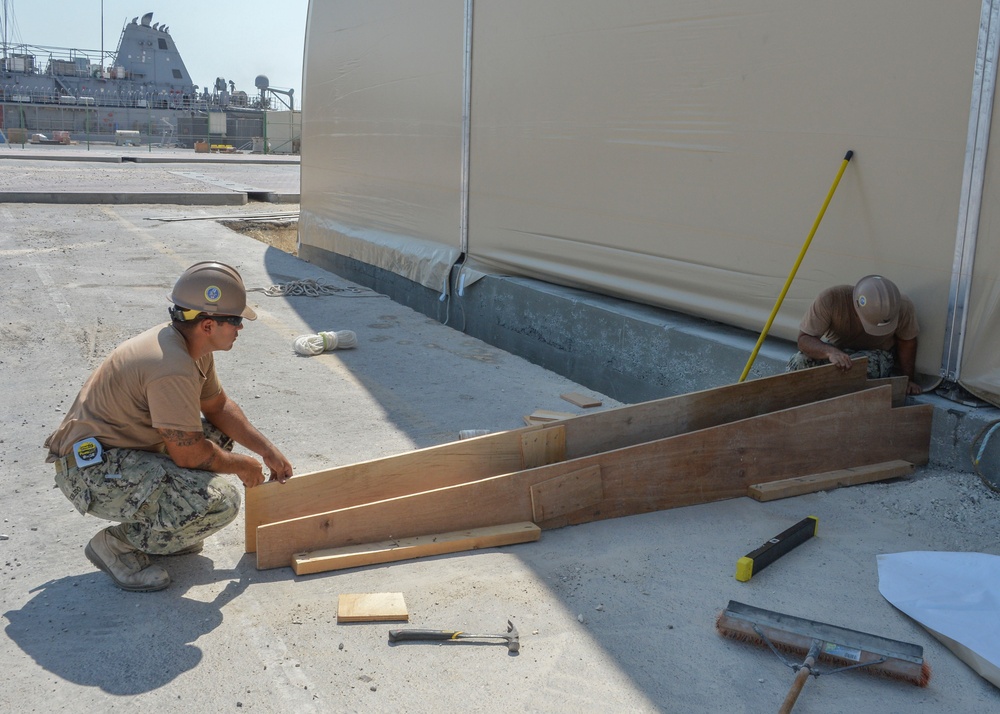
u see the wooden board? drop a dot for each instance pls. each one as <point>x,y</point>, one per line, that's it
<point>499,453</point>
<point>567,493</point>
<point>542,447</point>
<point>434,467</point>
<point>354,556</point>
<point>898,385</point>
<point>698,467</point>
<point>829,480</point>
<point>371,607</point>
<point>581,400</point>
<point>549,415</point>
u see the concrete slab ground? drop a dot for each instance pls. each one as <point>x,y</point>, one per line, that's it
<point>614,616</point>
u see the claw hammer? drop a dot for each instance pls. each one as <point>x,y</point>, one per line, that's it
<point>513,645</point>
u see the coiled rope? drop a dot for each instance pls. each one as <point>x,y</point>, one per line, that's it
<point>310,345</point>
<point>313,288</point>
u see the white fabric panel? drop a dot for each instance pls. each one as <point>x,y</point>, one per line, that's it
<point>381,133</point>
<point>955,596</point>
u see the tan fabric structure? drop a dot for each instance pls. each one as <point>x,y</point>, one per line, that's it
<point>669,152</point>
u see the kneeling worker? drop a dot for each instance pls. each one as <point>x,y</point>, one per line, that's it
<point>871,319</point>
<point>152,429</point>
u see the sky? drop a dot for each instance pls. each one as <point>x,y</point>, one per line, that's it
<point>233,39</point>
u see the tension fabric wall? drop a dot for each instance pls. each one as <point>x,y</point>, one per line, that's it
<point>672,153</point>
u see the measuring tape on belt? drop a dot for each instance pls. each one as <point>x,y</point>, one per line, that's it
<point>88,452</point>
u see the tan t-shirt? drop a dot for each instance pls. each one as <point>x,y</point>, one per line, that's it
<point>148,382</point>
<point>833,319</point>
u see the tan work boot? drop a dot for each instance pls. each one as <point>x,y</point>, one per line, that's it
<point>128,566</point>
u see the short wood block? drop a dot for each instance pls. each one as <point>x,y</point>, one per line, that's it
<point>354,556</point>
<point>581,400</point>
<point>371,607</point>
<point>829,480</point>
<point>549,415</point>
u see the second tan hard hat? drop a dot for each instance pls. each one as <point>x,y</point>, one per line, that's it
<point>212,287</point>
<point>876,300</point>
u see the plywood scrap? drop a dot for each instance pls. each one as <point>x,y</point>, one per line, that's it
<point>829,480</point>
<point>544,415</point>
<point>392,551</point>
<point>581,400</point>
<point>371,607</point>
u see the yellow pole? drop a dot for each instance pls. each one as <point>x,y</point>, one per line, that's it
<point>795,268</point>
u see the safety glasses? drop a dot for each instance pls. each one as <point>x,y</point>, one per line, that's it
<point>234,320</point>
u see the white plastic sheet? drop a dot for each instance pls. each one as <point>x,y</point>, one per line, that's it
<point>955,596</point>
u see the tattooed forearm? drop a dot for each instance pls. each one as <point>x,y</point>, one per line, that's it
<point>208,463</point>
<point>180,438</point>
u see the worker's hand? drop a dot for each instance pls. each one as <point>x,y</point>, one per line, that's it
<point>281,468</point>
<point>251,473</point>
<point>913,388</point>
<point>841,359</point>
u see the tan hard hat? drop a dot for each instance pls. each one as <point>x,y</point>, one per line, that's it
<point>212,287</point>
<point>876,300</point>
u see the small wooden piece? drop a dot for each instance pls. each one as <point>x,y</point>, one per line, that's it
<point>540,415</point>
<point>353,556</point>
<point>371,607</point>
<point>581,400</point>
<point>829,480</point>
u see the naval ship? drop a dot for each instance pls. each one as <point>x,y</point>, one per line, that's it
<point>142,90</point>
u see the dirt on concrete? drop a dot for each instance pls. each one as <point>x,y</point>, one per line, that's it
<point>283,235</point>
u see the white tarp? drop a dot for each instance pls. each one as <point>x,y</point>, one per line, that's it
<point>955,596</point>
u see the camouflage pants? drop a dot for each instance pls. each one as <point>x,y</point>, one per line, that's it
<point>162,507</point>
<point>880,362</point>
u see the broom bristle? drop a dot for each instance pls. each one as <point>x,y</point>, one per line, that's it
<point>732,630</point>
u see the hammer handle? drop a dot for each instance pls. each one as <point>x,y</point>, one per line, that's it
<point>404,635</point>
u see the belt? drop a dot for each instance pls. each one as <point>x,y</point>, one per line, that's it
<point>63,464</point>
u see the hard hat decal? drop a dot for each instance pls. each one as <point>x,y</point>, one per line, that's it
<point>862,301</point>
<point>213,294</point>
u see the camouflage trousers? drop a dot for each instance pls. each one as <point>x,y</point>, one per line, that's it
<point>880,362</point>
<point>162,507</point>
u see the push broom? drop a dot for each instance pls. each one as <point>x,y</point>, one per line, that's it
<point>843,649</point>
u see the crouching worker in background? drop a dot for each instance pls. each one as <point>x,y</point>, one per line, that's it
<point>871,319</point>
<point>151,431</point>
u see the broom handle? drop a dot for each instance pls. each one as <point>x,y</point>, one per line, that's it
<point>795,268</point>
<point>800,679</point>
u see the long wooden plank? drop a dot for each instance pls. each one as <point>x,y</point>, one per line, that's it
<point>829,480</point>
<point>354,556</point>
<point>499,453</point>
<point>423,469</point>
<point>697,467</point>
